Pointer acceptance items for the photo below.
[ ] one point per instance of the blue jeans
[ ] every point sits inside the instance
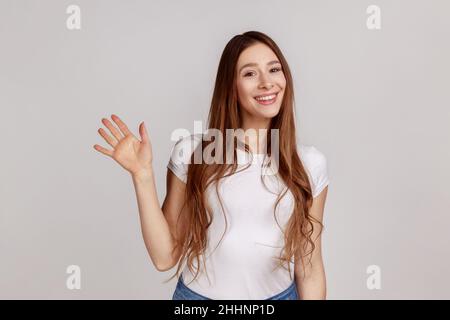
(182, 292)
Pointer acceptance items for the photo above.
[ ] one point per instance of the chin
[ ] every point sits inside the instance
(269, 114)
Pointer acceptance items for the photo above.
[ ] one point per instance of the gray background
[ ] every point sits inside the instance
(375, 102)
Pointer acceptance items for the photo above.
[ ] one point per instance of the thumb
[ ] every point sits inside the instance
(143, 132)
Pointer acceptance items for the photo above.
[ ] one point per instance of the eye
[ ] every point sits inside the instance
(247, 74)
(276, 69)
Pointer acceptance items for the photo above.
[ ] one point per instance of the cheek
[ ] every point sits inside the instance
(282, 81)
(245, 90)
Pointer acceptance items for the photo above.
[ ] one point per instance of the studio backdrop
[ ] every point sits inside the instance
(371, 91)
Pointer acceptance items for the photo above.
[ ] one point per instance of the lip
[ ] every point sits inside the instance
(267, 102)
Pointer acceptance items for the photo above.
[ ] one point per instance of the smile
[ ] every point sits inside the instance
(267, 99)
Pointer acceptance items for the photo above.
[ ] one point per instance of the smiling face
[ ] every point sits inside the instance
(260, 85)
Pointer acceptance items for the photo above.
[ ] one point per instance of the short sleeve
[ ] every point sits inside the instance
(180, 156)
(317, 167)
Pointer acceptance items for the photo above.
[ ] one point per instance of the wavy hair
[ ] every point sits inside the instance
(225, 114)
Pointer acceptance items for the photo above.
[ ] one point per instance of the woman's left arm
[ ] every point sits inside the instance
(311, 281)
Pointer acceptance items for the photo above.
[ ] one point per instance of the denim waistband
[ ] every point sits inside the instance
(183, 292)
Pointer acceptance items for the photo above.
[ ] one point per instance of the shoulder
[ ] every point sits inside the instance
(316, 165)
(184, 147)
(311, 156)
(180, 156)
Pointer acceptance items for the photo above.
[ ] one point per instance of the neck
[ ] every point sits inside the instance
(256, 139)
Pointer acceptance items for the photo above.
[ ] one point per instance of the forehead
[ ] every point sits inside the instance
(257, 53)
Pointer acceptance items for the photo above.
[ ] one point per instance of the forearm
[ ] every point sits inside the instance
(155, 228)
(313, 286)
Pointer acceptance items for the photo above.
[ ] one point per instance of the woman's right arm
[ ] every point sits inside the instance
(157, 224)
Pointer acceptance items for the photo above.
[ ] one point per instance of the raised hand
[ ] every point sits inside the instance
(132, 154)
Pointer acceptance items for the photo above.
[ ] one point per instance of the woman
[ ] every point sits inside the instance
(238, 230)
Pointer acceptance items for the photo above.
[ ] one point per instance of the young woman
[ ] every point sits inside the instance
(239, 229)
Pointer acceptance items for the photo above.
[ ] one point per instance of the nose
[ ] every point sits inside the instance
(264, 83)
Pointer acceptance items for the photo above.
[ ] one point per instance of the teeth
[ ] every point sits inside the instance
(266, 97)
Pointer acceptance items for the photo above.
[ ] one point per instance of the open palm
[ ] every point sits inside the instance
(132, 154)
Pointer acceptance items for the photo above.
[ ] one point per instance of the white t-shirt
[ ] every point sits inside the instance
(240, 267)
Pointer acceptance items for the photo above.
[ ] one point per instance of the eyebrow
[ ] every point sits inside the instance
(252, 64)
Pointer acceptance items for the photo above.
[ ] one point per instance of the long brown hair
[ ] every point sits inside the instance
(225, 114)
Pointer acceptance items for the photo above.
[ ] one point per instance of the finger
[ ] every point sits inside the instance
(103, 150)
(122, 126)
(143, 132)
(112, 129)
(111, 141)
